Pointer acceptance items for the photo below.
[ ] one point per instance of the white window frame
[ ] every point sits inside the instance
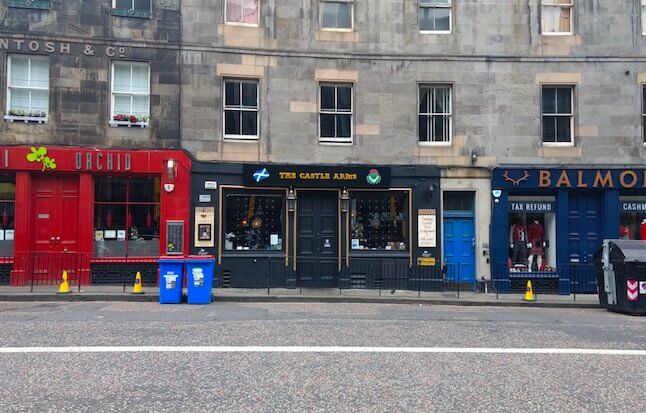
(643, 17)
(571, 114)
(132, 7)
(431, 114)
(554, 3)
(241, 108)
(337, 29)
(335, 140)
(116, 123)
(26, 119)
(256, 24)
(436, 6)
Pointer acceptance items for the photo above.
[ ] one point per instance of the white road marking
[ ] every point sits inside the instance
(320, 349)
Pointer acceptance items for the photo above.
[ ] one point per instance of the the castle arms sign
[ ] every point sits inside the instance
(512, 178)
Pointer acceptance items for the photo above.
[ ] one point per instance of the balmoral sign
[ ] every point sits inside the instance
(584, 179)
(64, 48)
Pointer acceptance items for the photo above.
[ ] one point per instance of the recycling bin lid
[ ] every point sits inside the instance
(627, 250)
(173, 259)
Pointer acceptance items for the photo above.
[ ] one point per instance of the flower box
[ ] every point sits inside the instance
(29, 4)
(26, 119)
(141, 14)
(121, 119)
(139, 124)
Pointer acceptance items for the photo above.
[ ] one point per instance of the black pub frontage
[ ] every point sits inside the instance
(301, 226)
(547, 223)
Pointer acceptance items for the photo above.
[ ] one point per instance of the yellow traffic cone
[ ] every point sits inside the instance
(64, 288)
(137, 288)
(529, 294)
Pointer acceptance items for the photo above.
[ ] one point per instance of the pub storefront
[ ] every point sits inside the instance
(298, 226)
(96, 213)
(547, 223)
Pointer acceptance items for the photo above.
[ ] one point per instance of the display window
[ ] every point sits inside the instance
(632, 222)
(532, 234)
(378, 220)
(7, 213)
(126, 216)
(254, 222)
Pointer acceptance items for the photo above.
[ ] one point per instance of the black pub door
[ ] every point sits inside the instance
(317, 261)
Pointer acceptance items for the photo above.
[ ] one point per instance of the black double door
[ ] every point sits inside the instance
(317, 247)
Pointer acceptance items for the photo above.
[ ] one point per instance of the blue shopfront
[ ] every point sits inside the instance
(548, 222)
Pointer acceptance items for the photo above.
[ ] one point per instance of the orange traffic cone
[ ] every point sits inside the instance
(137, 288)
(529, 294)
(64, 288)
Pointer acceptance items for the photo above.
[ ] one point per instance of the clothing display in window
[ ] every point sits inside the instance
(536, 239)
(518, 243)
(624, 232)
(642, 230)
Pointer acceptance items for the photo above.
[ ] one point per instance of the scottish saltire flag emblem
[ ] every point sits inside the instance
(261, 174)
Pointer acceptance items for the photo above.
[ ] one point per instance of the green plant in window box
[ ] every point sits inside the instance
(18, 112)
(142, 14)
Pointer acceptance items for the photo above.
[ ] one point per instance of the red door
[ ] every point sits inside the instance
(54, 220)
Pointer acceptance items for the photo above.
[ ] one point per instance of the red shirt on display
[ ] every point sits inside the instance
(535, 232)
(642, 231)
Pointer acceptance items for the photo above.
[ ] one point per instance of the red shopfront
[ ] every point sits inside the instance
(97, 213)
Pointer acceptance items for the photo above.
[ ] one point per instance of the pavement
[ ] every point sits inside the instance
(42, 379)
(463, 298)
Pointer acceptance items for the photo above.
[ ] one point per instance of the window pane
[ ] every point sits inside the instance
(344, 19)
(232, 93)
(140, 82)
(564, 100)
(441, 126)
(549, 100)
(458, 201)
(441, 100)
(250, 12)
(423, 128)
(19, 71)
(232, 122)
(327, 126)
(7, 214)
(122, 105)
(378, 221)
(108, 189)
(140, 105)
(7, 188)
(19, 100)
(122, 78)
(434, 19)
(555, 19)
(39, 101)
(250, 94)
(563, 129)
(234, 11)
(644, 98)
(344, 98)
(39, 73)
(254, 222)
(549, 129)
(145, 189)
(343, 126)
(109, 230)
(442, 19)
(143, 230)
(110, 217)
(143, 5)
(423, 99)
(250, 123)
(327, 97)
(336, 15)
(123, 4)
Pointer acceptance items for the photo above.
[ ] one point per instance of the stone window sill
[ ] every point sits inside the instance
(140, 14)
(118, 123)
(26, 119)
(29, 4)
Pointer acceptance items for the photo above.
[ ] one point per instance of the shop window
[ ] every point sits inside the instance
(254, 223)
(532, 234)
(378, 221)
(558, 117)
(556, 16)
(126, 216)
(241, 12)
(337, 14)
(632, 224)
(434, 114)
(7, 214)
(27, 89)
(131, 8)
(241, 109)
(335, 117)
(435, 16)
(130, 94)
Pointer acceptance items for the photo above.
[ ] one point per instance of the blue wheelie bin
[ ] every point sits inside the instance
(171, 279)
(199, 270)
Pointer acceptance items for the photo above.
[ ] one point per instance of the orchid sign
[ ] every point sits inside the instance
(40, 155)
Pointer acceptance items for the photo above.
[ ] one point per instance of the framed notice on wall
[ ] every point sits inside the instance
(174, 237)
(426, 228)
(204, 224)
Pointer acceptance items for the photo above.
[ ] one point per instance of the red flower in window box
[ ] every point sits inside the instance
(133, 119)
(117, 117)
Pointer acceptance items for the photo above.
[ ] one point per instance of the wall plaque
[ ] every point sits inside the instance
(426, 228)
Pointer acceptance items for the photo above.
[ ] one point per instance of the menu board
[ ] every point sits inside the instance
(174, 237)
(426, 228)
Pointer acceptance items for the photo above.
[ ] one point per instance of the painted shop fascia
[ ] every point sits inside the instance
(312, 225)
(548, 222)
(126, 204)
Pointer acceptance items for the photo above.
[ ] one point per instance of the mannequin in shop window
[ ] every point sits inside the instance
(518, 242)
(624, 231)
(536, 237)
(642, 230)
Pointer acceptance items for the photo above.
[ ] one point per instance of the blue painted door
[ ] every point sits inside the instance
(459, 248)
(584, 238)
